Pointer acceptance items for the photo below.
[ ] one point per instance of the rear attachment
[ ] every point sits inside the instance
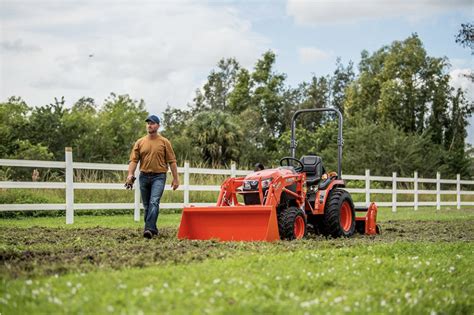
(368, 223)
(234, 223)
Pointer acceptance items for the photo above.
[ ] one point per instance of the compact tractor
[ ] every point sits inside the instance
(280, 203)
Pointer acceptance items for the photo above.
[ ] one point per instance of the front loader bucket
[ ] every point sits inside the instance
(233, 223)
(368, 223)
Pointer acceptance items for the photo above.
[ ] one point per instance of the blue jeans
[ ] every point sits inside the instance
(151, 188)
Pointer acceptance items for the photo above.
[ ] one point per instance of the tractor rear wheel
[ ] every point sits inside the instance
(339, 215)
(292, 224)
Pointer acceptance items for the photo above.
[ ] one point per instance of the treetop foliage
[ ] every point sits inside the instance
(103, 134)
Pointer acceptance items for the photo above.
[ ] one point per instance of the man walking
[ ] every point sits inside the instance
(155, 153)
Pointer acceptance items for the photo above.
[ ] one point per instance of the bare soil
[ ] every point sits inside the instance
(39, 251)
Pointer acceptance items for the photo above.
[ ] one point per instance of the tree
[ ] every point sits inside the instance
(121, 121)
(240, 97)
(457, 157)
(255, 135)
(46, 128)
(465, 36)
(174, 123)
(315, 95)
(25, 150)
(388, 149)
(14, 117)
(257, 102)
(400, 84)
(80, 125)
(216, 136)
(342, 78)
(268, 89)
(313, 141)
(220, 84)
(440, 96)
(28, 151)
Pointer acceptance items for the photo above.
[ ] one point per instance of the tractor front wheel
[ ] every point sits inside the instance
(292, 224)
(339, 215)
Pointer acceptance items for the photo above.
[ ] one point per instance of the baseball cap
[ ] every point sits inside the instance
(153, 118)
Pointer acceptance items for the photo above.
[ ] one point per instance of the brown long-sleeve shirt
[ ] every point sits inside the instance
(154, 154)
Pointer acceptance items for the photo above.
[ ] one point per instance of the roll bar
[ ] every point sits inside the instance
(340, 140)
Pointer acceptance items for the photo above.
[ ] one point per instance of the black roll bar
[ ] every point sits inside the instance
(340, 140)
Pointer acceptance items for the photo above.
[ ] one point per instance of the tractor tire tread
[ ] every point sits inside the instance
(286, 220)
(331, 222)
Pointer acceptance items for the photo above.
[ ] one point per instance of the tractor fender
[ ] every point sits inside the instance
(323, 194)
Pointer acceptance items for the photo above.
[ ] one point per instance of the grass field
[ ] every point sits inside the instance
(421, 264)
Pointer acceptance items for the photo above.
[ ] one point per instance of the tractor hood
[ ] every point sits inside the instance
(270, 173)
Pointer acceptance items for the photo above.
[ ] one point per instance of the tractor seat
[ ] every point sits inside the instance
(313, 167)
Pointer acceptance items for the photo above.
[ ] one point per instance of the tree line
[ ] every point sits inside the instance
(96, 134)
(400, 115)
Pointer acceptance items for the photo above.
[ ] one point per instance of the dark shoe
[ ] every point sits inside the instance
(155, 233)
(147, 234)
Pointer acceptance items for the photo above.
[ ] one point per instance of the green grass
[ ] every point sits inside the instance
(401, 278)
(421, 264)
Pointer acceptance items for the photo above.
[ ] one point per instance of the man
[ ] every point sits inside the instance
(155, 153)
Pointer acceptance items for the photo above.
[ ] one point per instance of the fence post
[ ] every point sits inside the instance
(415, 189)
(69, 186)
(367, 188)
(186, 183)
(438, 191)
(232, 169)
(394, 192)
(136, 205)
(458, 191)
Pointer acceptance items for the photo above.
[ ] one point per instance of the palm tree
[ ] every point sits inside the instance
(217, 137)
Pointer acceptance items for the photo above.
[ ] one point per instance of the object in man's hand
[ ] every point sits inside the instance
(129, 182)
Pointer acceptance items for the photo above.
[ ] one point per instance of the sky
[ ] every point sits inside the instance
(162, 51)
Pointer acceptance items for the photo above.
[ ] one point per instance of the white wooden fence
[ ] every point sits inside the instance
(70, 186)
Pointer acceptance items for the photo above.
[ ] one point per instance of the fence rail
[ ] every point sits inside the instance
(69, 186)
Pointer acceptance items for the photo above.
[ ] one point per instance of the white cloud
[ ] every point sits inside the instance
(309, 55)
(17, 46)
(158, 51)
(310, 12)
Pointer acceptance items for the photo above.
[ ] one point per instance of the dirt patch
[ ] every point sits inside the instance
(40, 251)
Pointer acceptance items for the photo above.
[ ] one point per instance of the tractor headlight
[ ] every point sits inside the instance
(253, 184)
(247, 184)
(250, 184)
(266, 183)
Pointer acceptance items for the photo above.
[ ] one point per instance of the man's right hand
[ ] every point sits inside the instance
(175, 184)
(129, 182)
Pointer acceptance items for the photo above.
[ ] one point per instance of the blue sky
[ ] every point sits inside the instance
(162, 51)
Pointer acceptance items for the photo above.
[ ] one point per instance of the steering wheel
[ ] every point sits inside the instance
(291, 161)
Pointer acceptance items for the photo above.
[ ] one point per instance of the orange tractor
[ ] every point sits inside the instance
(279, 203)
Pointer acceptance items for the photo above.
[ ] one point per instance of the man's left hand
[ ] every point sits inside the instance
(175, 183)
